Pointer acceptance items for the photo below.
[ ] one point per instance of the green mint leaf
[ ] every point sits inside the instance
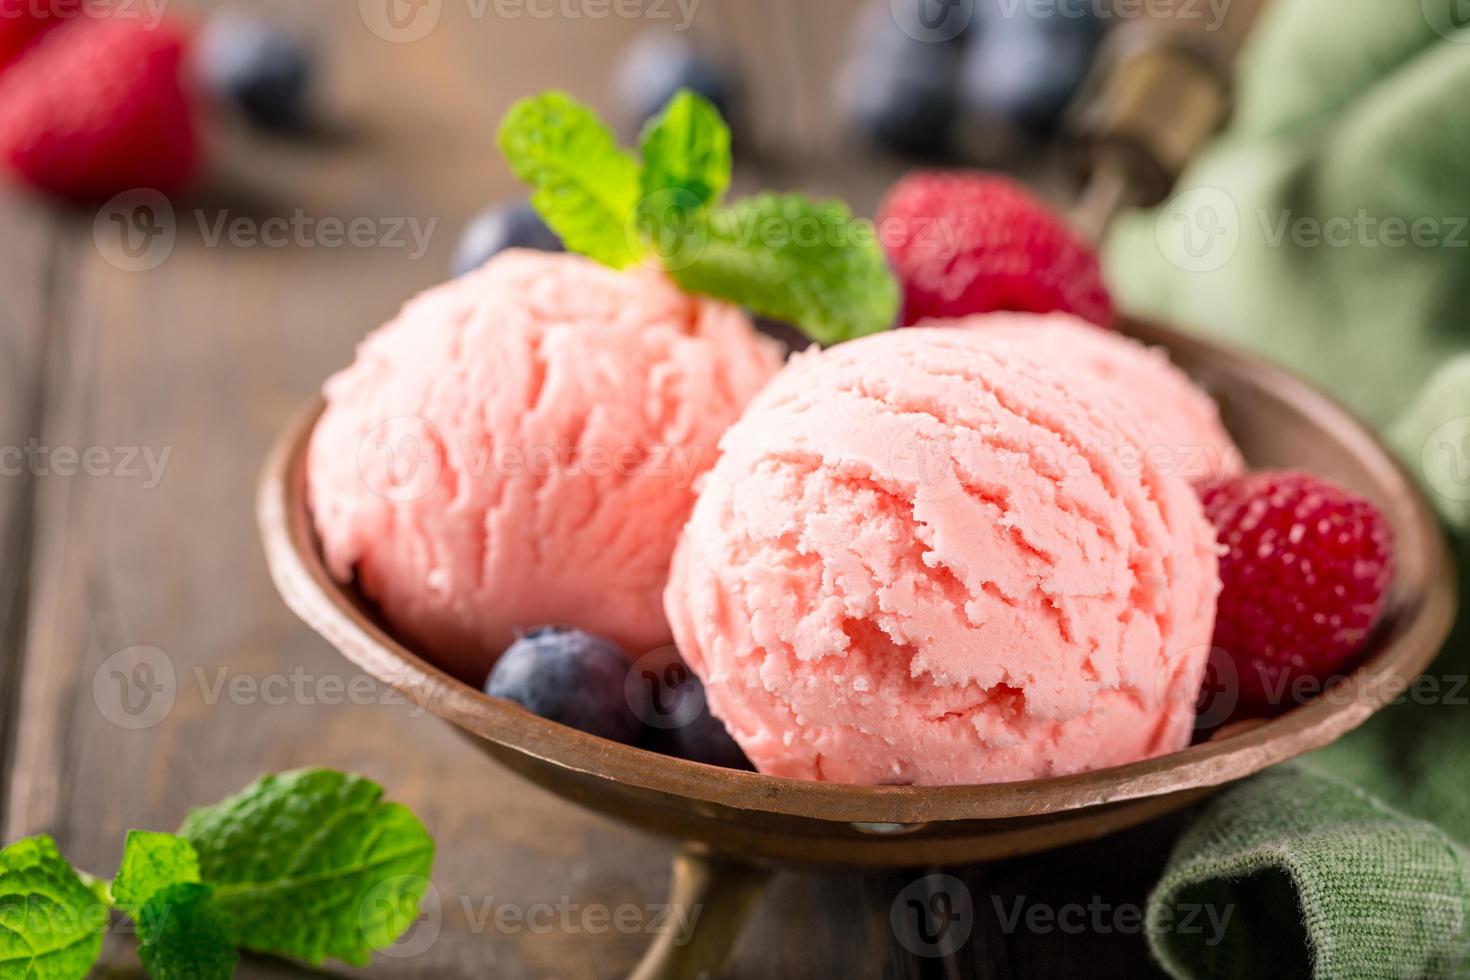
(183, 936)
(150, 863)
(313, 864)
(586, 189)
(808, 263)
(686, 148)
(51, 923)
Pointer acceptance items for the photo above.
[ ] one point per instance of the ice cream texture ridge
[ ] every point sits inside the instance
(520, 446)
(947, 554)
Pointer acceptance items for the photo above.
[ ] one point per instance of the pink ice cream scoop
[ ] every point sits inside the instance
(941, 556)
(519, 447)
(1187, 436)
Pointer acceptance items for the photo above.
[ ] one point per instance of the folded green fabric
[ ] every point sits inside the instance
(1329, 228)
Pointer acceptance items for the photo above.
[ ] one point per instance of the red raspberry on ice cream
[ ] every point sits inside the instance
(965, 243)
(1304, 572)
(21, 23)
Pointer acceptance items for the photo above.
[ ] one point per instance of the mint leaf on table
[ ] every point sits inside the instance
(584, 187)
(183, 936)
(152, 862)
(805, 262)
(313, 864)
(686, 147)
(51, 923)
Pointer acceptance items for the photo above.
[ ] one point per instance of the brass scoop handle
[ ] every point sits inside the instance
(1160, 90)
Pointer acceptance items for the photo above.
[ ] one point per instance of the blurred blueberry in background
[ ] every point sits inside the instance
(899, 84)
(1027, 60)
(499, 227)
(935, 78)
(261, 70)
(658, 64)
(793, 338)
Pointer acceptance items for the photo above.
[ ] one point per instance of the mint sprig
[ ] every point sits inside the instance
(808, 263)
(152, 862)
(585, 188)
(686, 147)
(51, 923)
(183, 935)
(798, 260)
(311, 864)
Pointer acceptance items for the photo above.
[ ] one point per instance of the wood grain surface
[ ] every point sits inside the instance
(146, 663)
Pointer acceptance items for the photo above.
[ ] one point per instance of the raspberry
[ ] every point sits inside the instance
(96, 107)
(965, 243)
(20, 24)
(1305, 570)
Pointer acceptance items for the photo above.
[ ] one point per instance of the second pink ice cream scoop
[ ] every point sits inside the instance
(942, 555)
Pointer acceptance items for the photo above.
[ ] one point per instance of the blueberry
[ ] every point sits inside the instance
(899, 87)
(570, 677)
(262, 71)
(1026, 65)
(498, 228)
(679, 722)
(658, 64)
(793, 338)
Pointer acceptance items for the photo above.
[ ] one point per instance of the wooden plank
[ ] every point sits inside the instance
(27, 288)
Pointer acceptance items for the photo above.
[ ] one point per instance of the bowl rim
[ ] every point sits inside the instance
(1412, 642)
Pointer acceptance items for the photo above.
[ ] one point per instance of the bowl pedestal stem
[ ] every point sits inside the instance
(715, 894)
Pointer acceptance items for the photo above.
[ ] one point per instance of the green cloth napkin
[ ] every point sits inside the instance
(1329, 227)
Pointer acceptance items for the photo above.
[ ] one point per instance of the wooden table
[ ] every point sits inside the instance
(198, 363)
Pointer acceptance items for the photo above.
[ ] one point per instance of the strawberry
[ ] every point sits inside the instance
(965, 243)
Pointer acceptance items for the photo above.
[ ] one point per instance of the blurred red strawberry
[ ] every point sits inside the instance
(98, 106)
(21, 22)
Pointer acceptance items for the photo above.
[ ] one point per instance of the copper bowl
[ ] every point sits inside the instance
(1278, 420)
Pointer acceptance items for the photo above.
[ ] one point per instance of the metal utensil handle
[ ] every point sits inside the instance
(1160, 91)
